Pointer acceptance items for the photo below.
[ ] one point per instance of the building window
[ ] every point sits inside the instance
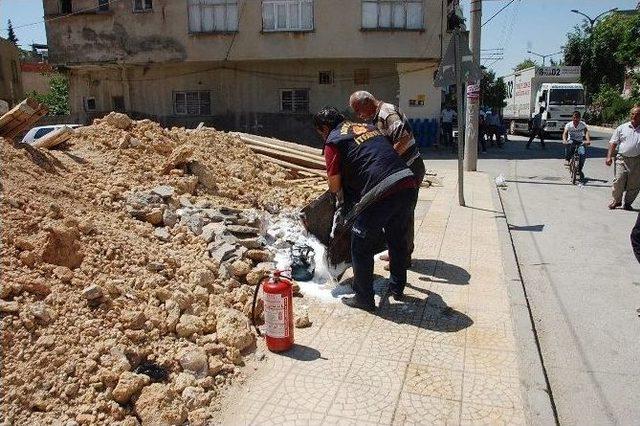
(118, 103)
(325, 77)
(294, 100)
(90, 104)
(392, 14)
(65, 6)
(103, 5)
(213, 16)
(361, 76)
(142, 5)
(192, 103)
(287, 15)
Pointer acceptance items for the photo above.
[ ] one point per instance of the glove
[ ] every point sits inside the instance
(339, 214)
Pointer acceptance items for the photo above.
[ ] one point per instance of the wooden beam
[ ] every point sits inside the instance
(54, 138)
(292, 166)
(290, 158)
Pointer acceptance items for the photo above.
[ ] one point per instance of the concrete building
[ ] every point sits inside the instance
(11, 91)
(252, 65)
(36, 76)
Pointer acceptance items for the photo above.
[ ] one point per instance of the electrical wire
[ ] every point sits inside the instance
(497, 13)
(55, 18)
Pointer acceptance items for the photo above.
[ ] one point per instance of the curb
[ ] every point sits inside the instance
(601, 129)
(537, 394)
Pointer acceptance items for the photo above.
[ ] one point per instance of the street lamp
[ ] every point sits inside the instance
(544, 57)
(592, 21)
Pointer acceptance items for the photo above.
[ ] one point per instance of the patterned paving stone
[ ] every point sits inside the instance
(433, 381)
(287, 415)
(499, 391)
(343, 421)
(304, 393)
(490, 338)
(333, 365)
(492, 363)
(430, 353)
(365, 402)
(396, 346)
(425, 410)
(475, 414)
(376, 372)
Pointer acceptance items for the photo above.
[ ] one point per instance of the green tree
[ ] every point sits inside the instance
(492, 91)
(604, 53)
(527, 63)
(57, 100)
(11, 35)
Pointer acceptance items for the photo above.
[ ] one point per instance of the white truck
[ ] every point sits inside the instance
(557, 89)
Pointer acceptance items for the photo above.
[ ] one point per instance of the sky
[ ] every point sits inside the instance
(537, 25)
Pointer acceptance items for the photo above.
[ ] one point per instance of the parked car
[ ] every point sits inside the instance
(38, 132)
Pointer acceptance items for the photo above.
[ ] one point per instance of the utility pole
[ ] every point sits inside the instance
(473, 101)
(460, 98)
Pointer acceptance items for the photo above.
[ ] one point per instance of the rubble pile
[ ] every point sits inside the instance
(129, 259)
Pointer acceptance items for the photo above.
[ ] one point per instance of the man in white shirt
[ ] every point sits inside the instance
(448, 115)
(573, 137)
(626, 139)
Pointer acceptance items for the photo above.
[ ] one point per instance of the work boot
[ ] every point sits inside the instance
(614, 205)
(353, 302)
(581, 176)
(396, 294)
(628, 207)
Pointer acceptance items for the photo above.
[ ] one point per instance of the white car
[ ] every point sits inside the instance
(38, 132)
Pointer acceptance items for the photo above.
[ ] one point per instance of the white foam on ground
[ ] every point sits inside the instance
(285, 231)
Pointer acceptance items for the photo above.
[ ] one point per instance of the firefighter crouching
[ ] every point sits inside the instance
(377, 192)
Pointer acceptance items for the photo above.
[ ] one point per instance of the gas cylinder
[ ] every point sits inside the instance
(278, 311)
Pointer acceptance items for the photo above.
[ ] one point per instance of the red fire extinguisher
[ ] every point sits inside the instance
(278, 311)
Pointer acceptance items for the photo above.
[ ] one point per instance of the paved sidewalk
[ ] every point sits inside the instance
(445, 355)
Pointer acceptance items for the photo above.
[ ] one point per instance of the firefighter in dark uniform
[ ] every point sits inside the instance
(378, 192)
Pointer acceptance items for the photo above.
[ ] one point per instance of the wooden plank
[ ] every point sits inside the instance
(22, 116)
(16, 127)
(290, 158)
(284, 149)
(272, 141)
(292, 166)
(54, 138)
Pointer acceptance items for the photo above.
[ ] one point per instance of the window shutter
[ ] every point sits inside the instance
(307, 15)
(414, 15)
(369, 15)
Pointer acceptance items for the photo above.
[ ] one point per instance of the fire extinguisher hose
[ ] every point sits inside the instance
(253, 305)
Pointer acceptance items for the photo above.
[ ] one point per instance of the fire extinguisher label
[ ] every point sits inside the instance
(275, 315)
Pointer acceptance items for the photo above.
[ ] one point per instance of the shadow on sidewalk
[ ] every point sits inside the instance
(302, 353)
(441, 272)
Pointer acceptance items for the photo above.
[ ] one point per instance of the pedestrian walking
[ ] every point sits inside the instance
(537, 128)
(363, 166)
(482, 130)
(394, 124)
(626, 141)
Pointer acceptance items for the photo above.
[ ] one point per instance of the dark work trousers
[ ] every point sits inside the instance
(570, 149)
(539, 132)
(391, 213)
(481, 140)
(447, 130)
(635, 238)
(418, 169)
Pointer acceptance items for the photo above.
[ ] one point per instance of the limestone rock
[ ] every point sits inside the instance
(258, 255)
(119, 120)
(188, 325)
(233, 329)
(63, 248)
(169, 218)
(301, 316)
(93, 292)
(162, 234)
(154, 217)
(128, 385)
(159, 405)
(164, 191)
(194, 361)
(240, 268)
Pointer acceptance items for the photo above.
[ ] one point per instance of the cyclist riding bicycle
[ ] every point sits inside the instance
(574, 134)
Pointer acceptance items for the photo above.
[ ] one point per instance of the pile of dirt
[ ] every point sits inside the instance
(129, 258)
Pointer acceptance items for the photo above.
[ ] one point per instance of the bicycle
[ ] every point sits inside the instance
(574, 163)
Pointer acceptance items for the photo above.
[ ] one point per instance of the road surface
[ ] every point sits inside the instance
(580, 276)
